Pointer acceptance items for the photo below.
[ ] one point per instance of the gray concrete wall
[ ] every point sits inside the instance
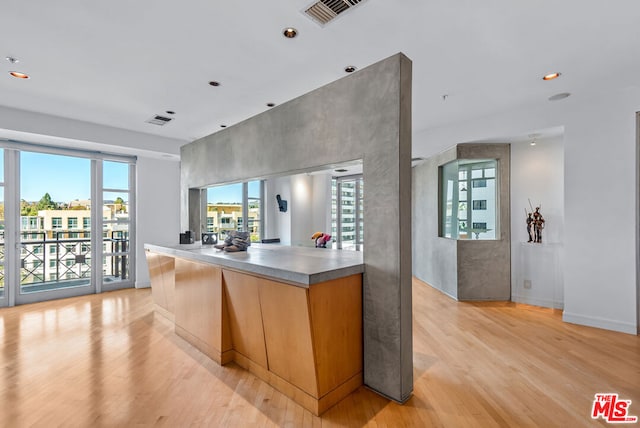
(366, 115)
(435, 259)
(484, 267)
(463, 269)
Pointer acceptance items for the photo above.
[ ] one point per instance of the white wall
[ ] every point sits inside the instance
(321, 210)
(309, 208)
(54, 130)
(157, 209)
(277, 224)
(301, 210)
(599, 272)
(537, 174)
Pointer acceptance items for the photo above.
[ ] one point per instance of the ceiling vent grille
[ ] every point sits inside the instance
(325, 11)
(159, 120)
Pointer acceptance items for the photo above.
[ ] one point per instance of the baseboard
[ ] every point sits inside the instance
(606, 324)
(435, 288)
(545, 303)
(145, 284)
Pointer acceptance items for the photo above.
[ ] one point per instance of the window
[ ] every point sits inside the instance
(347, 212)
(480, 204)
(72, 222)
(254, 210)
(468, 201)
(236, 206)
(55, 192)
(118, 208)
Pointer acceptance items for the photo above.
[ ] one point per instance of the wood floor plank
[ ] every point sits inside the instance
(108, 360)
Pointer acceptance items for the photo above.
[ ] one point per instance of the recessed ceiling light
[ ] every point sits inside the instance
(350, 68)
(560, 96)
(533, 143)
(289, 32)
(19, 75)
(223, 126)
(271, 105)
(214, 83)
(170, 112)
(12, 60)
(551, 76)
(341, 170)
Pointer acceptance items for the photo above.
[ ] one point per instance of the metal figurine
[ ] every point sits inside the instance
(535, 223)
(538, 225)
(530, 226)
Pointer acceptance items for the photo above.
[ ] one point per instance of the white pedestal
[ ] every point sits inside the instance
(538, 279)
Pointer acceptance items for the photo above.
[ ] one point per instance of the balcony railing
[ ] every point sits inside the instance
(65, 257)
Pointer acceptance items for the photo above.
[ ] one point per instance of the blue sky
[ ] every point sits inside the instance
(65, 178)
(231, 193)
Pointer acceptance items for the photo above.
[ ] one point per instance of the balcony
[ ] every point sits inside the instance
(62, 259)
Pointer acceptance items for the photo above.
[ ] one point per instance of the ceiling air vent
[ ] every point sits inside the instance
(324, 11)
(159, 120)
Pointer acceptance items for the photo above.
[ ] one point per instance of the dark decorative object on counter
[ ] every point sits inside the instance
(209, 238)
(186, 237)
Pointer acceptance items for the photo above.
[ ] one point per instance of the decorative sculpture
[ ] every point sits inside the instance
(530, 226)
(321, 239)
(535, 224)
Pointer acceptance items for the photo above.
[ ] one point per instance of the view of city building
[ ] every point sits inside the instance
(469, 205)
(56, 244)
(347, 213)
(58, 235)
(222, 218)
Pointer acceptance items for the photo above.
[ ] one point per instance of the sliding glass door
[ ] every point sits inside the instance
(68, 226)
(55, 251)
(117, 261)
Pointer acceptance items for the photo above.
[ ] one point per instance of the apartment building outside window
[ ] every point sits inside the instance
(72, 222)
(63, 222)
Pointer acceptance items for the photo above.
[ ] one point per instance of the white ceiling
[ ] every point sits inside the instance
(120, 62)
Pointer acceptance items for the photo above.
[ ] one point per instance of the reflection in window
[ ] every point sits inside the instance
(469, 184)
(225, 206)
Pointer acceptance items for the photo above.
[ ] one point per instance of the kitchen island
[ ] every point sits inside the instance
(292, 316)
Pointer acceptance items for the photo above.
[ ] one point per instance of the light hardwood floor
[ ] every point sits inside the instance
(107, 360)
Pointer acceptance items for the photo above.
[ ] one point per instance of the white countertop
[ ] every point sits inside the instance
(301, 265)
